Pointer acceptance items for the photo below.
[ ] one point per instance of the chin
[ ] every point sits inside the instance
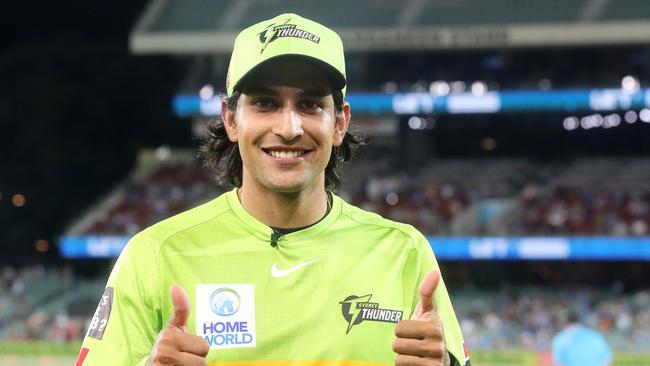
(286, 186)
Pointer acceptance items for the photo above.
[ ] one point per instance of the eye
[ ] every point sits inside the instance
(311, 105)
(264, 103)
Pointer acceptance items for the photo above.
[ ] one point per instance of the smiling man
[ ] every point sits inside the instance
(279, 270)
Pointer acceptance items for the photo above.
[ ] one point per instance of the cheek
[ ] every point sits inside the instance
(245, 134)
(248, 128)
(328, 124)
(240, 115)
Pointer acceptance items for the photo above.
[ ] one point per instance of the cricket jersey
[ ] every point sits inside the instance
(329, 294)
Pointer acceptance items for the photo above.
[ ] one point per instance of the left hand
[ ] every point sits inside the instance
(420, 340)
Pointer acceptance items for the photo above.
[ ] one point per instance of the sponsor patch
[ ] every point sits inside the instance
(82, 356)
(102, 314)
(225, 315)
(356, 309)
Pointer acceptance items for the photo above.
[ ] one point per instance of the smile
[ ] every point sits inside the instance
(285, 154)
(288, 153)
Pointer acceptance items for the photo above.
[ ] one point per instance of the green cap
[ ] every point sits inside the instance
(286, 35)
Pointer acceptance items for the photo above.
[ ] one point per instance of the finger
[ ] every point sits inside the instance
(192, 344)
(188, 359)
(417, 329)
(181, 305)
(409, 360)
(417, 347)
(426, 290)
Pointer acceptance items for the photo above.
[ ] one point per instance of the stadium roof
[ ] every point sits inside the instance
(209, 26)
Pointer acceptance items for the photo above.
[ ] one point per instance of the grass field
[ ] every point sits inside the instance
(63, 354)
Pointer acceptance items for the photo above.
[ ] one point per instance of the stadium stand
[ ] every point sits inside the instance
(161, 187)
(445, 197)
(591, 196)
(45, 303)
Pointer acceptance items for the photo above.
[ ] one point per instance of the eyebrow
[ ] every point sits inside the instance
(270, 91)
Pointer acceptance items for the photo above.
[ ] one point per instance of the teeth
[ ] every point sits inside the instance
(285, 154)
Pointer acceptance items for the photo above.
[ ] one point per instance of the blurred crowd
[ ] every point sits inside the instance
(168, 190)
(439, 199)
(40, 303)
(575, 211)
(529, 317)
(431, 208)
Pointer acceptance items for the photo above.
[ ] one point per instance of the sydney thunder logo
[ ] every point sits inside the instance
(356, 309)
(273, 32)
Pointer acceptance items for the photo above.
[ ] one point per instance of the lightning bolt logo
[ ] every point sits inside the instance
(351, 312)
(268, 35)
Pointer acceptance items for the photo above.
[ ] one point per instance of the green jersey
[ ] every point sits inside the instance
(329, 294)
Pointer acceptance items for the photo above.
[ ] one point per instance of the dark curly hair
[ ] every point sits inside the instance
(222, 155)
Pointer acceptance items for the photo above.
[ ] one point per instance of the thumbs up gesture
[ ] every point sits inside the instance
(174, 346)
(420, 340)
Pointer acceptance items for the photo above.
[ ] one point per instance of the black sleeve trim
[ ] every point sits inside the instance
(454, 362)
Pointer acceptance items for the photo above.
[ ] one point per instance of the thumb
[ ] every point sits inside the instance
(181, 304)
(426, 290)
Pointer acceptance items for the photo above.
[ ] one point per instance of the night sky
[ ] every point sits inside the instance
(75, 108)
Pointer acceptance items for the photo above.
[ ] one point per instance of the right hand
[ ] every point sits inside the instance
(174, 346)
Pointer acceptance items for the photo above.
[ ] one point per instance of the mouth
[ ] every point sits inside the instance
(285, 154)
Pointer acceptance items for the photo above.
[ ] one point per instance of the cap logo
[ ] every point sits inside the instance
(273, 32)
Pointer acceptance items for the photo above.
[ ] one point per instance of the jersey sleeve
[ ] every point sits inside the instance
(452, 333)
(128, 317)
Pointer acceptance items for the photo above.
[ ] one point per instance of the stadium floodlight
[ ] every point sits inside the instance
(597, 120)
(571, 123)
(631, 116)
(162, 152)
(644, 115)
(206, 92)
(611, 120)
(18, 200)
(439, 88)
(479, 88)
(417, 123)
(591, 121)
(630, 84)
(545, 84)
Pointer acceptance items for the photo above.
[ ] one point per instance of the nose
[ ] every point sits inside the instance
(288, 125)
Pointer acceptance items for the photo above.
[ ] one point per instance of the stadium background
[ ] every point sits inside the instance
(515, 134)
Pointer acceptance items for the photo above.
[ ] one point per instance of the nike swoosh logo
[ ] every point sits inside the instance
(278, 273)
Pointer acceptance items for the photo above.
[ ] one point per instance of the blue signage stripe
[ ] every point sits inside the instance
(445, 248)
(568, 101)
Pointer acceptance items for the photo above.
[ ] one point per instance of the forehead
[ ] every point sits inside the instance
(292, 72)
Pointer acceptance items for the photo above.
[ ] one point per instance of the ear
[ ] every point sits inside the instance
(228, 118)
(342, 124)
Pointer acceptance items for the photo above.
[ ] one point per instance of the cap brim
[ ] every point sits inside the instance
(336, 79)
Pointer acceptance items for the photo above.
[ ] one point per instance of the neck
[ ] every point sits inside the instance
(284, 210)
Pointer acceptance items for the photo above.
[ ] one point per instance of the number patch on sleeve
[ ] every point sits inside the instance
(103, 312)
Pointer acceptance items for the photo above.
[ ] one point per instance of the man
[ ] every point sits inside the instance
(578, 345)
(279, 270)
